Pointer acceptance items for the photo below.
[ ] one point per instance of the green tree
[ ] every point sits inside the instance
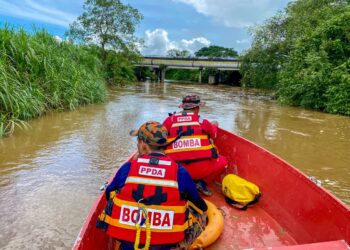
(118, 68)
(216, 51)
(108, 23)
(178, 53)
(183, 74)
(275, 39)
(316, 74)
(261, 63)
(303, 53)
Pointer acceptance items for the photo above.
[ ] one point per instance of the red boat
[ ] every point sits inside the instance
(294, 212)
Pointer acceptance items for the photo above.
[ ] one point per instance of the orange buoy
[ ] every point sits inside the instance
(213, 230)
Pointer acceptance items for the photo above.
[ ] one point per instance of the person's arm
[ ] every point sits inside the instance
(209, 128)
(119, 179)
(188, 189)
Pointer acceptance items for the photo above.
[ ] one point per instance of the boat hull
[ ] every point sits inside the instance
(307, 211)
(293, 213)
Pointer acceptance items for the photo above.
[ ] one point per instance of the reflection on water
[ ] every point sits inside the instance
(50, 174)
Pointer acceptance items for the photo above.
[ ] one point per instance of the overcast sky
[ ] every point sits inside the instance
(167, 24)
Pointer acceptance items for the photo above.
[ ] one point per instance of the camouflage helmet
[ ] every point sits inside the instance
(152, 133)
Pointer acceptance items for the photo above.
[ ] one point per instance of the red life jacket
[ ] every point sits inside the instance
(194, 144)
(151, 184)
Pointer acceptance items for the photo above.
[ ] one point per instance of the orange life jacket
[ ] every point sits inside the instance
(151, 184)
(194, 144)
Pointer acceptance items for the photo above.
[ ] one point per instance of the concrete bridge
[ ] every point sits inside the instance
(160, 64)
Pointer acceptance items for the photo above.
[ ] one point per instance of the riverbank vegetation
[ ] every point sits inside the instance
(39, 73)
(303, 54)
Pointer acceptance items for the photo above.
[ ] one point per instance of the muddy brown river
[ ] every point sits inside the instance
(50, 174)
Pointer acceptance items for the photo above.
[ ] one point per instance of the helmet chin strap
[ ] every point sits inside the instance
(143, 147)
(178, 137)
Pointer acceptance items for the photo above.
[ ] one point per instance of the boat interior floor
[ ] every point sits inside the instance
(253, 228)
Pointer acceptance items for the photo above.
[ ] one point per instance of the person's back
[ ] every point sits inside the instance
(147, 197)
(193, 143)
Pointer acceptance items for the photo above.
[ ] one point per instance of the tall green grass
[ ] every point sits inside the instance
(39, 73)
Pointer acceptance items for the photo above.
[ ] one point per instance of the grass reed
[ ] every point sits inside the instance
(39, 73)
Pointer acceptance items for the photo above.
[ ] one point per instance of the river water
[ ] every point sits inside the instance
(50, 174)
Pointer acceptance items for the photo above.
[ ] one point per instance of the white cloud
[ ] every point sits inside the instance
(157, 42)
(36, 11)
(58, 39)
(235, 13)
(194, 44)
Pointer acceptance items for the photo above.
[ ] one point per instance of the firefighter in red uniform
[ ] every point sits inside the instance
(147, 199)
(193, 147)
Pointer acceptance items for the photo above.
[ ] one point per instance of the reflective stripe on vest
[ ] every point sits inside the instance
(185, 124)
(182, 113)
(170, 151)
(147, 181)
(186, 137)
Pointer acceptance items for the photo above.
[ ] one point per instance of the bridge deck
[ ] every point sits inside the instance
(190, 63)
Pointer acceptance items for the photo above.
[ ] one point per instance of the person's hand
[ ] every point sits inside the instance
(215, 123)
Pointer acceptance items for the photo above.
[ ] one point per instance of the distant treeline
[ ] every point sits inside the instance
(303, 54)
(226, 77)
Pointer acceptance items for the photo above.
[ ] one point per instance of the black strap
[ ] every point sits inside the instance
(214, 153)
(178, 137)
(189, 131)
(101, 224)
(138, 193)
(109, 207)
(179, 130)
(236, 205)
(157, 199)
(154, 161)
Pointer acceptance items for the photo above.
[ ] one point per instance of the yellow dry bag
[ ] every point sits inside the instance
(239, 192)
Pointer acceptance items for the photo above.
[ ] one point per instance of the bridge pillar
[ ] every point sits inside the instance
(219, 77)
(211, 79)
(162, 75)
(200, 75)
(155, 74)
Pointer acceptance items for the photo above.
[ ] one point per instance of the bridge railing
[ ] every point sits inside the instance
(192, 58)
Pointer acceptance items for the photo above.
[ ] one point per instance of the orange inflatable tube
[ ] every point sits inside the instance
(213, 230)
